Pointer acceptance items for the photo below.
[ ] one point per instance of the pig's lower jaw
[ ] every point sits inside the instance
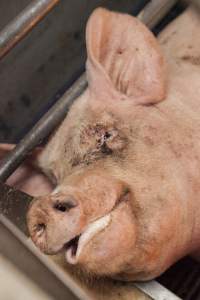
(75, 246)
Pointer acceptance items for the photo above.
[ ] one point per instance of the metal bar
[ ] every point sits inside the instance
(42, 129)
(14, 205)
(45, 273)
(23, 23)
(155, 11)
(156, 291)
(57, 113)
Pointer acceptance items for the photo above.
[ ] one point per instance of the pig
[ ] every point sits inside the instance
(124, 165)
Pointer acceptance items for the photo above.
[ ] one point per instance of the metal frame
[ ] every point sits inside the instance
(12, 236)
(42, 129)
(15, 31)
(156, 291)
(36, 266)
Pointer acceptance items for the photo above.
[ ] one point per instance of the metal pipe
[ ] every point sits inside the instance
(155, 290)
(42, 129)
(155, 11)
(57, 113)
(45, 273)
(23, 23)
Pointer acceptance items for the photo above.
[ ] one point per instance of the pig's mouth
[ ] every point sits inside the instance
(75, 246)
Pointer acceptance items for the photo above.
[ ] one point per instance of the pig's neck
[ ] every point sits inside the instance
(180, 42)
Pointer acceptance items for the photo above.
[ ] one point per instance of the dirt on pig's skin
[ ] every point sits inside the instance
(126, 159)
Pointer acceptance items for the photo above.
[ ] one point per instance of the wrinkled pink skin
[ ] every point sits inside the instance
(128, 150)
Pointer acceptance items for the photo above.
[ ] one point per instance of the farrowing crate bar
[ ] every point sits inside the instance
(23, 23)
(9, 37)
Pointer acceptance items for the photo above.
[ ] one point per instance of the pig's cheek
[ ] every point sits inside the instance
(110, 251)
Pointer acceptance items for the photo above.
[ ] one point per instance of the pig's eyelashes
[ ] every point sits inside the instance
(64, 206)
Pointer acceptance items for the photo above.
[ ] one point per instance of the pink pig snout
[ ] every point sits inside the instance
(52, 222)
(99, 222)
(86, 218)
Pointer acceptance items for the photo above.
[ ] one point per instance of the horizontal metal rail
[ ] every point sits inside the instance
(154, 13)
(156, 291)
(23, 23)
(42, 129)
(45, 273)
(57, 113)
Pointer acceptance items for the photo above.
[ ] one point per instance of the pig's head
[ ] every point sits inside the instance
(111, 211)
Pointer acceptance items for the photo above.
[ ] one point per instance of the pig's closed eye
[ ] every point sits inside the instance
(104, 137)
(107, 135)
(64, 206)
(103, 143)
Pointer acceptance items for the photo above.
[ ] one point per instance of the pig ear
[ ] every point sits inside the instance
(124, 58)
(27, 177)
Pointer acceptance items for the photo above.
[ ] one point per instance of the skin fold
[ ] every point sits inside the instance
(124, 168)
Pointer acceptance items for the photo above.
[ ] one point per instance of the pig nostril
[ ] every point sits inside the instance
(40, 228)
(64, 206)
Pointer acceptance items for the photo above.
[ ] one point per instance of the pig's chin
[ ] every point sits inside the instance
(75, 246)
